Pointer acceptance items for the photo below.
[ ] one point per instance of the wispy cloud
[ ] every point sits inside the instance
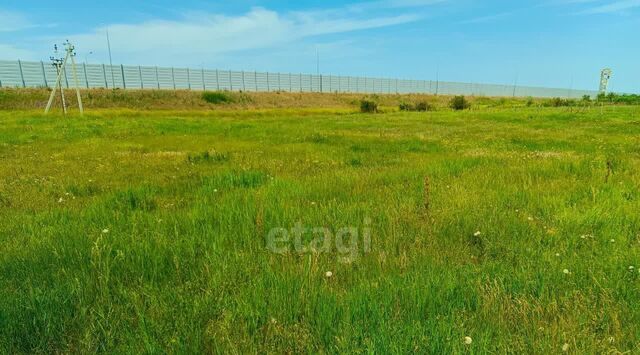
(613, 7)
(13, 21)
(488, 18)
(204, 34)
(10, 52)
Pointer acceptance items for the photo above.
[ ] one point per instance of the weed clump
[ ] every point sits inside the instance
(559, 102)
(421, 106)
(459, 103)
(207, 157)
(217, 97)
(368, 106)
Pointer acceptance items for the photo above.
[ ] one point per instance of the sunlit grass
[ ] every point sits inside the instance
(145, 231)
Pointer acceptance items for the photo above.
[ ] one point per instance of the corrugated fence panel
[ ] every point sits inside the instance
(10, 74)
(181, 78)
(43, 74)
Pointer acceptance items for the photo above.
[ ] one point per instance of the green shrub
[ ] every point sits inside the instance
(559, 102)
(459, 103)
(217, 97)
(404, 106)
(368, 106)
(423, 106)
(530, 101)
(586, 98)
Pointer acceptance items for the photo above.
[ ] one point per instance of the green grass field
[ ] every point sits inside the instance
(201, 231)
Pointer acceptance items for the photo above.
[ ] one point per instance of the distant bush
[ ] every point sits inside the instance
(424, 106)
(217, 97)
(459, 103)
(404, 106)
(368, 106)
(530, 101)
(586, 98)
(560, 102)
(623, 99)
(421, 106)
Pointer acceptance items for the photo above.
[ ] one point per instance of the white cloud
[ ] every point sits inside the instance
(202, 34)
(609, 7)
(488, 18)
(10, 52)
(12, 21)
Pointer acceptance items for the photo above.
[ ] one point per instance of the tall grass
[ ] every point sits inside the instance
(145, 231)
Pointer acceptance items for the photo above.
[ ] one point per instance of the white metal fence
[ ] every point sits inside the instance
(41, 74)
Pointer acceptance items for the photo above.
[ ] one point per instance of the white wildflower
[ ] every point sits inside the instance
(328, 274)
(105, 231)
(565, 347)
(468, 340)
(477, 234)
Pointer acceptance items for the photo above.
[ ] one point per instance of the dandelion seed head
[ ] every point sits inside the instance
(565, 347)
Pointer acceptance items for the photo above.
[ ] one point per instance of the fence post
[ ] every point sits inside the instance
(86, 77)
(230, 81)
(217, 81)
(244, 87)
(189, 78)
(124, 83)
(255, 79)
(268, 84)
(157, 78)
(173, 78)
(44, 75)
(204, 86)
(290, 86)
(24, 84)
(104, 73)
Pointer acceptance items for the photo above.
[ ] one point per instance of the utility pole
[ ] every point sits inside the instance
(317, 61)
(113, 78)
(61, 65)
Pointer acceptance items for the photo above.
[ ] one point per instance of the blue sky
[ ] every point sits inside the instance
(557, 43)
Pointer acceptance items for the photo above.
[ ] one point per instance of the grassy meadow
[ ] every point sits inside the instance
(491, 230)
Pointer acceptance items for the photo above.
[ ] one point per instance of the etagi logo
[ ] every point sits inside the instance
(348, 242)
